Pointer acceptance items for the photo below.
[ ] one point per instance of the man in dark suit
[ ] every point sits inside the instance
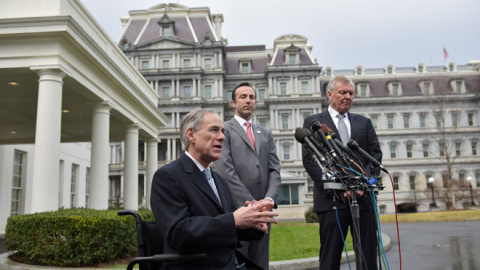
(340, 91)
(250, 164)
(196, 215)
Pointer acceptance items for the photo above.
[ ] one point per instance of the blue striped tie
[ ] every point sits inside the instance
(208, 176)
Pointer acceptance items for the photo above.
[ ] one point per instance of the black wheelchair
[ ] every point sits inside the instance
(150, 246)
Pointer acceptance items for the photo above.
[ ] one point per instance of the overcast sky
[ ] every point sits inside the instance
(343, 33)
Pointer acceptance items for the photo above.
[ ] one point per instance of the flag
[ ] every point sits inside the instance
(445, 53)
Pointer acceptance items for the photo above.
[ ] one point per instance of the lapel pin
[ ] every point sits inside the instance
(258, 131)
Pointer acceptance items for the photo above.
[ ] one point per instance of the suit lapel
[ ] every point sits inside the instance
(326, 119)
(198, 179)
(354, 125)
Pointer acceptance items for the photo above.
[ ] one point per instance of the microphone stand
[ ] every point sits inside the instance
(357, 243)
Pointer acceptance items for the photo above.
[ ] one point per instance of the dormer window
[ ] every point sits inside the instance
(245, 66)
(390, 69)
(426, 87)
(395, 89)
(292, 55)
(458, 86)
(166, 26)
(363, 89)
(452, 67)
(328, 71)
(421, 68)
(359, 70)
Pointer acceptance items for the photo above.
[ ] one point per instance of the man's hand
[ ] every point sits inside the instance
(255, 215)
(349, 194)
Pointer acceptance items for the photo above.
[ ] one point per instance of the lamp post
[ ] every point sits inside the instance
(470, 179)
(431, 180)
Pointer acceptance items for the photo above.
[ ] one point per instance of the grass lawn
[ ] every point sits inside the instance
(295, 240)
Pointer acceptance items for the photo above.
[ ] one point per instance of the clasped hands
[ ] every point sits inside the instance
(255, 214)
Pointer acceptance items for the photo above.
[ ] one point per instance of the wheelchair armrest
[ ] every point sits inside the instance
(165, 258)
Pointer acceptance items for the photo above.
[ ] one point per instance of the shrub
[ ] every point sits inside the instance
(72, 237)
(310, 216)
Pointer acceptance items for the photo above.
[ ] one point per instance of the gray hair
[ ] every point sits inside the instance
(340, 78)
(193, 119)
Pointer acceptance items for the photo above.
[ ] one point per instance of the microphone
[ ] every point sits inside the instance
(330, 135)
(303, 136)
(325, 131)
(318, 128)
(354, 146)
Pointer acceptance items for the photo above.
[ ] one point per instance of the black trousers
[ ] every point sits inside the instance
(331, 238)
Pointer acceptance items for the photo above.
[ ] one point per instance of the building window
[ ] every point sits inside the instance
(441, 149)
(383, 209)
(390, 121)
(245, 68)
(328, 72)
(229, 94)
(470, 119)
(425, 149)
(292, 59)
(18, 175)
(359, 71)
(457, 86)
(477, 179)
(422, 120)
(145, 64)
(186, 63)
(73, 186)
(166, 31)
(304, 87)
(409, 151)
(286, 151)
(208, 63)
(412, 182)
(87, 188)
(261, 94)
(262, 122)
(454, 119)
(288, 195)
(451, 67)
(374, 119)
(283, 88)
(187, 91)
(208, 91)
(438, 119)
(363, 90)
(166, 92)
(395, 89)
(284, 117)
(458, 149)
(406, 120)
(395, 182)
(393, 151)
(474, 148)
(427, 88)
(166, 64)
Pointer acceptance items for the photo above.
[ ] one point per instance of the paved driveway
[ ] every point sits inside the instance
(433, 246)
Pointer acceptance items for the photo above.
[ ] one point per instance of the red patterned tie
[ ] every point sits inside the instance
(249, 134)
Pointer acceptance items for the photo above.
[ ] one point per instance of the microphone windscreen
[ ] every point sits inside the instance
(325, 129)
(352, 144)
(300, 134)
(315, 124)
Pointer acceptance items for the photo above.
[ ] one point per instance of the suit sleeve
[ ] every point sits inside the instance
(373, 146)
(174, 209)
(224, 167)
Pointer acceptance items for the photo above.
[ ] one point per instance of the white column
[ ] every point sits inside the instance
(169, 150)
(46, 167)
(99, 160)
(178, 88)
(152, 164)
(174, 149)
(130, 195)
(172, 91)
(194, 88)
(220, 90)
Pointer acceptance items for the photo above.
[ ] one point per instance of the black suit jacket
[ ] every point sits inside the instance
(192, 220)
(363, 133)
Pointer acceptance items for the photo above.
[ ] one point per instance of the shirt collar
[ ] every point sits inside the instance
(242, 121)
(334, 113)
(200, 166)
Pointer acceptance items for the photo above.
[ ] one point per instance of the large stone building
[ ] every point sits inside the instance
(68, 93)
(186, 59)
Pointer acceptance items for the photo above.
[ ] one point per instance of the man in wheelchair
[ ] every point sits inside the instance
(193, 206)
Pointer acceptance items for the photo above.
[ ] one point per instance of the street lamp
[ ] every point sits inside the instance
(431, 180)
(470, 179)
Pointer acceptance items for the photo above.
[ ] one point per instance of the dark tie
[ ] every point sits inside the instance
(250, 134)
(208, 176)
(342, 129)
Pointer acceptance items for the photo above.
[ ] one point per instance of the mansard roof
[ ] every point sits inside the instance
(191, 25)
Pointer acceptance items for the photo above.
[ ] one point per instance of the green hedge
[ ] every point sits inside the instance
(72, 237)
(310, 216)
